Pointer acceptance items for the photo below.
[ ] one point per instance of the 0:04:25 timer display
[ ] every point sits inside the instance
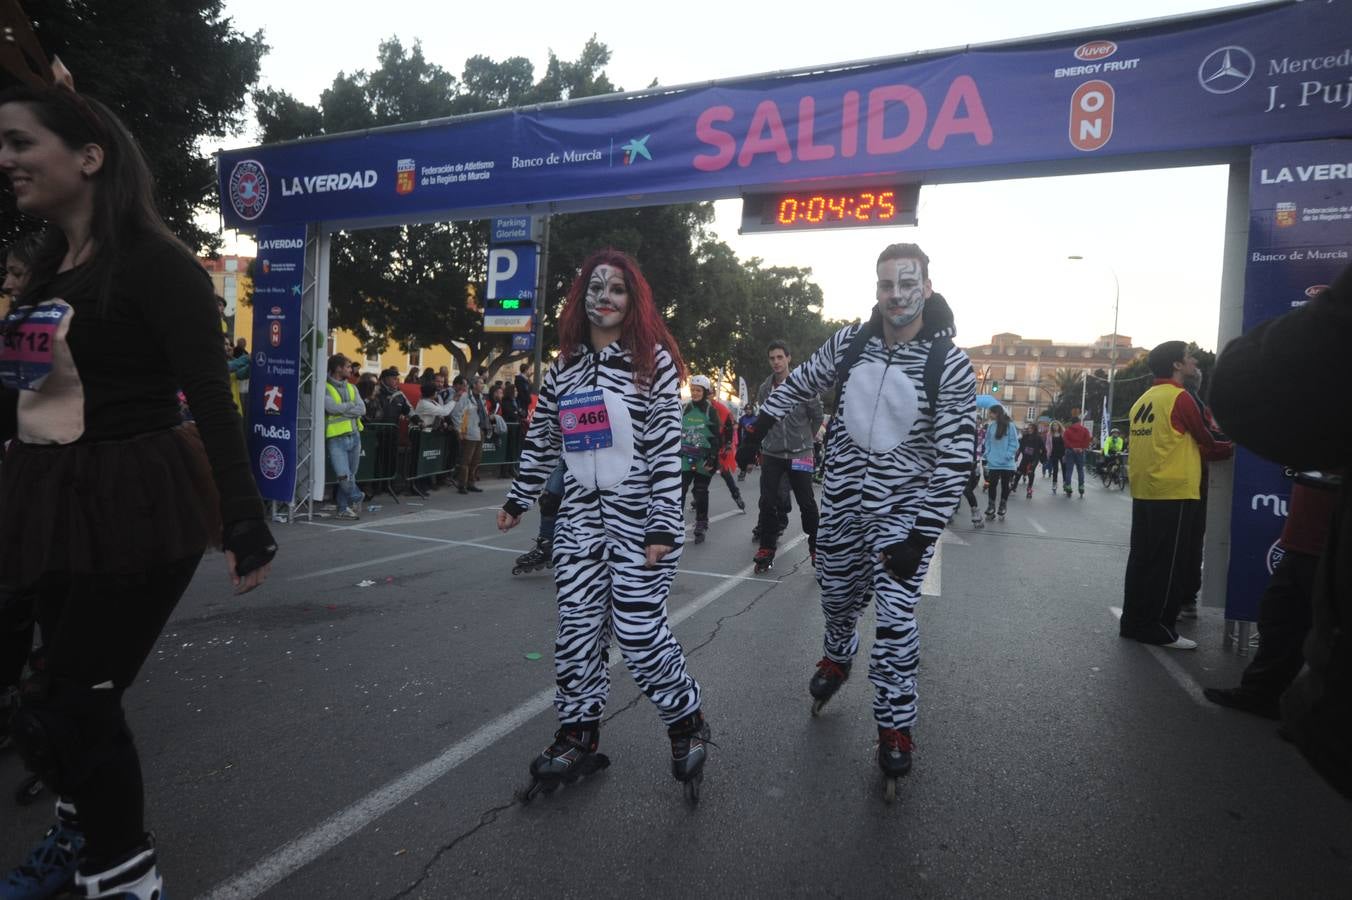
(813, 209)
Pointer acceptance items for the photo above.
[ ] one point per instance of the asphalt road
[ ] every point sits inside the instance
(359, 726)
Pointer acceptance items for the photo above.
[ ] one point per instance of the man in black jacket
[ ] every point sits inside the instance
(1267, 395)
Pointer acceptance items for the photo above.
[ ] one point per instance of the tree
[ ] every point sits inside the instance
(176, 71)
(419, 285)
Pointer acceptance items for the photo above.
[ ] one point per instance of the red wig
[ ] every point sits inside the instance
(642, 330)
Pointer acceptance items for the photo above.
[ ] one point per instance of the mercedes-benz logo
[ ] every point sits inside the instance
(1226, 70)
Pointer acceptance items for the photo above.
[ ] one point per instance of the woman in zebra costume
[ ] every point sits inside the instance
(610, 405)
(894, 474)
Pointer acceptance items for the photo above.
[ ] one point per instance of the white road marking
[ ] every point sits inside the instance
(337, 828)
(1176, 672)
(364, 564)
(951, 537)
(417, 518)
(415, 537)
(1036, 527)
(690, 525)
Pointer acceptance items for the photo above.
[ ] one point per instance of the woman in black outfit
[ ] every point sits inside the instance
(107, 502)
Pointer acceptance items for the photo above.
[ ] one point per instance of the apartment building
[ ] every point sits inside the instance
(1022, 371)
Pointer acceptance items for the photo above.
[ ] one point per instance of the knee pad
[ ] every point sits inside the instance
(63, 732)
(549, 504)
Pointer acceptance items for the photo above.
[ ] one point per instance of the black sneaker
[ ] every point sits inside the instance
(1245, 701)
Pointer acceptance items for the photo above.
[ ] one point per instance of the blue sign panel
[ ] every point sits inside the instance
(524, 341)
(1230, 79)
(513, 271)
(512, 230)
(1300, 238)
(274, 378)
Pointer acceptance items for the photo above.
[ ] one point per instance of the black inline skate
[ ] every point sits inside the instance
(828, 679)
(701, 529)
(689, 743)
(894, 758)
(764, 560)
(536, 558)
(572, 756)
(1000, 513)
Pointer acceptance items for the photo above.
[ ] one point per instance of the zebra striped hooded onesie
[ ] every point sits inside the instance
(896, 466)
(616, 502)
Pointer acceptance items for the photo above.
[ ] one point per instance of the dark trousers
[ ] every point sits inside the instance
(1158, 568)
(16, 636)
(701, 482)
(470, 454)
(1284, 616)
(731, 483)
(98, 630)
(774, 471)
(969, 494)
(1000, 478)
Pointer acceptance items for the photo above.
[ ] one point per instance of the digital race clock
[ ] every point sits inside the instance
(816, 210)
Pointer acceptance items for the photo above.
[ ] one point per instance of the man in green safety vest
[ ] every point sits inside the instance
(343, 410)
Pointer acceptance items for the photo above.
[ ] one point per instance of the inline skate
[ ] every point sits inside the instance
(894, 758)
(689, 750)
(764, 560)
(829, 677)
(572, 756)
(536, 558)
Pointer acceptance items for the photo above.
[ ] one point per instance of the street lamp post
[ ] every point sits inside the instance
(1112, 352)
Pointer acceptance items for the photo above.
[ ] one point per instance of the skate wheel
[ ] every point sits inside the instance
(817, 707)
(890, 790)
(692, 791)
(527, 793)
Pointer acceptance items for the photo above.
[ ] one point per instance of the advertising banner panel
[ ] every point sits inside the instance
(1252, 75)
(1300, 238)
(274, 377)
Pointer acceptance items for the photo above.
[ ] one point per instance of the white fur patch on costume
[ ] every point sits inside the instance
(609, 466)
(881, 406)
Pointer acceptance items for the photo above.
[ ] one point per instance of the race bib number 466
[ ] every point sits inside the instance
(584, 422)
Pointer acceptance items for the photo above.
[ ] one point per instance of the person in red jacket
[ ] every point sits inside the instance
(1077, 439)
(727, 457)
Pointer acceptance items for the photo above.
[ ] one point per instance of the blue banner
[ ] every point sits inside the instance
(1300, 238)
(1222, 80)
(274, 378)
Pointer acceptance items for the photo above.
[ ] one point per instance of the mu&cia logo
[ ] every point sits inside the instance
(1226, 69)
(248, 189)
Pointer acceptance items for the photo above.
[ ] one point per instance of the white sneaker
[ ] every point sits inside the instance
(1180, 643)
(347, 514)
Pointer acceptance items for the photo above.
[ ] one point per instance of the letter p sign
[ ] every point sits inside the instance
(512, 270)
(502, 265)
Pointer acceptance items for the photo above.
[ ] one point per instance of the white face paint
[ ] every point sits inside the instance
(902, 290)
(607, 298)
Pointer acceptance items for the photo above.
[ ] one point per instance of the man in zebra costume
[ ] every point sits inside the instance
(895, 471)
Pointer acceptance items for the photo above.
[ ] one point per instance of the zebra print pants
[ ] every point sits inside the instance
(601, 598)
(847, 568)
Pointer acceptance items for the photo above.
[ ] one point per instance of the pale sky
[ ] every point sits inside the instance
(998, 249)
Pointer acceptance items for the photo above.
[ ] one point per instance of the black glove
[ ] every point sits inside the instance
(252, 543)
(751, 441)
(903, 559)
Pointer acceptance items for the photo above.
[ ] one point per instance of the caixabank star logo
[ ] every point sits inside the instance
(636, 149)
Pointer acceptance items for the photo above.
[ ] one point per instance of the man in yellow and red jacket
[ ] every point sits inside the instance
(1169, 440)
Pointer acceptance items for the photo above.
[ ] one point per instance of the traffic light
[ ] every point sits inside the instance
(995, 388)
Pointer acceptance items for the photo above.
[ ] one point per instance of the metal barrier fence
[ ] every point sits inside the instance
(428, 454)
